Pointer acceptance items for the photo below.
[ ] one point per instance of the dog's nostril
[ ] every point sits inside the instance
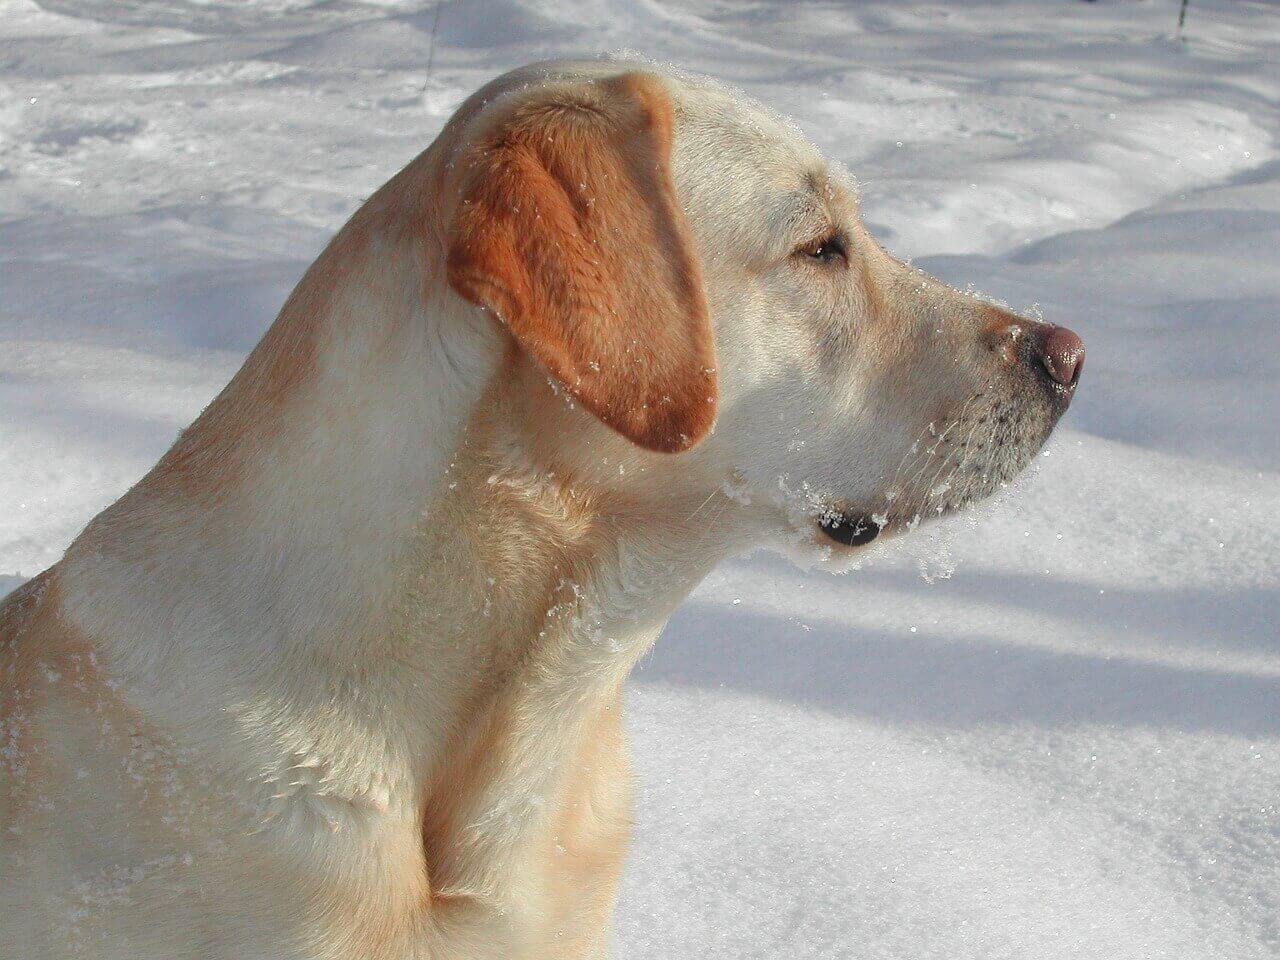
(1062, 354)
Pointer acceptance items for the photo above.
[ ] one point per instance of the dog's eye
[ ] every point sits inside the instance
(827, 250)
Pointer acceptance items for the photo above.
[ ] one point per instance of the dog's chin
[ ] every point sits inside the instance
(851, 529)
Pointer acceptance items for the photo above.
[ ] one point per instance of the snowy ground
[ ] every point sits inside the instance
(1048, 731)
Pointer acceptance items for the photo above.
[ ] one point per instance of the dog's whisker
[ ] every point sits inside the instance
(698, 510)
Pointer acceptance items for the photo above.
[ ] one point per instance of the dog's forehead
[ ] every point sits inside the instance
(737, 118)
(740, 130)
(720, 114)
(740, 165)
(734, 159)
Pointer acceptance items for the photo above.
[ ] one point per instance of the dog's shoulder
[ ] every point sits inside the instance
(28, 638)
(19, 607)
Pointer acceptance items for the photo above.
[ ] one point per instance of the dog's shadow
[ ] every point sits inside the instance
(963, 677)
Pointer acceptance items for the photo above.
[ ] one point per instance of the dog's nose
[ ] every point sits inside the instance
(1062, 354)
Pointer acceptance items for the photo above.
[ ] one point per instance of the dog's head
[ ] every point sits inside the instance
(697, 306)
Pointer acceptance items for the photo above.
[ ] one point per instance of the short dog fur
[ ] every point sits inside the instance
(339, 678)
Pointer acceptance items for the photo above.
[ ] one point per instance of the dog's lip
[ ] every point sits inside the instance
(851, 528)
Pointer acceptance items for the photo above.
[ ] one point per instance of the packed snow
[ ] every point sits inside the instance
(1048, 729)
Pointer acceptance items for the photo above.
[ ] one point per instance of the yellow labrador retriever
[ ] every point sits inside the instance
(339, 678)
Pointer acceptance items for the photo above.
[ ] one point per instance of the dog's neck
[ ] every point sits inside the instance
(339, 537)
(562, 603)
(276, 521)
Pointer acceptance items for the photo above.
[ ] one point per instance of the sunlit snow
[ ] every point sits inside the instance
(1047, 729)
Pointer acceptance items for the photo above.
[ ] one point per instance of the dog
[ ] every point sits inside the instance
(340, 676)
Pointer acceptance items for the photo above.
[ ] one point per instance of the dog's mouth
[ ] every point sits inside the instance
(963, 461)
(851, 529)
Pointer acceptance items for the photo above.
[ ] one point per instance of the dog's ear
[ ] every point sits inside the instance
(568, 229)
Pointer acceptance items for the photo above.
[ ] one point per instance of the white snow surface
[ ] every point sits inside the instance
(1050, 729)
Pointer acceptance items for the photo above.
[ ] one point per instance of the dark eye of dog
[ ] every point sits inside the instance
(827, 250)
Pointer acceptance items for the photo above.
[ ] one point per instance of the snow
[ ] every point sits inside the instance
(1049, 729)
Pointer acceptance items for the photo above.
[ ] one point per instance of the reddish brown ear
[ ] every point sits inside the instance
(568, 229)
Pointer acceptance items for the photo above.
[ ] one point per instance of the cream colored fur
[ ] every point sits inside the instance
(340, 679)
